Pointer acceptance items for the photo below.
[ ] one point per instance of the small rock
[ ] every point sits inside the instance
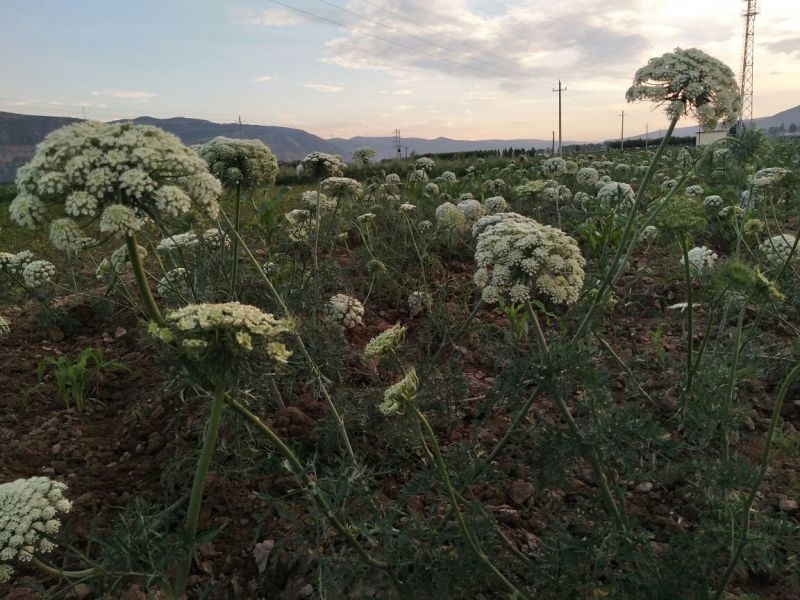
(644, 488)
(788, 505)
(56, 449)
(120, 332)
(81, 590)
(520, 492)
(307, 591)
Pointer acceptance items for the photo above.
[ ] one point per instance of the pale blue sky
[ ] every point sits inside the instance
(456, 68)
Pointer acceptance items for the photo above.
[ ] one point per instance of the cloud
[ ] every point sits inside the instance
(790, 46)
(324, 88)
(403, 92)
(128, 94)
(514, 42)
(272, 17)
(263, 79)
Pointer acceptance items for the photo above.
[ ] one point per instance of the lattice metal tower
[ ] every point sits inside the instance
(746, 84)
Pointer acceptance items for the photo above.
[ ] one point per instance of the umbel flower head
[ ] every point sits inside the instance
(319, 165)
(778, 248)
(217, 333)
(343, 311)
(38, 272)
(701, 260)
(5, 327)
(385, 342)
(248, 163)
(400, 395)
(520, 258)
(449, 216)
(342, 187)
(29, 510)
(124, 173)
(689, 82)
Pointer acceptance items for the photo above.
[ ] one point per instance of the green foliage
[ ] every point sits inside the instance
(74, 379)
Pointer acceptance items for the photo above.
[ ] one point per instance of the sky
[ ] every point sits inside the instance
(465, 69)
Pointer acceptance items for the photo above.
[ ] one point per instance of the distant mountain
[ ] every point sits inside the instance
(385, 146)
(19, 135)
(785, 118)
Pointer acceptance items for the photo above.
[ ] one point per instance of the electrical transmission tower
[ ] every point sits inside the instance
(397, 146)
(746, 86)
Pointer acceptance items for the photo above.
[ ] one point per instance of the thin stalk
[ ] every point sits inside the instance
(512, 428)
(468, 535)
(615, 261)
(737, 348)
(625, 366)
(235, 251)
(200, 474)
(316, 227)
(589, 453)
(687, 273)
(299, 472)
(762, 471)
(141, 279)
(51, 570)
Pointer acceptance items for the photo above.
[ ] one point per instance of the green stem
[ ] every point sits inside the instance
(687, 273)
(589, 453)
(200, 474)
(512, 428)
(737, 348)
(50, 570)
(468, 535)
(235, 252)
(299, 472)
(141, 279)
(608, 280)
(762, 471)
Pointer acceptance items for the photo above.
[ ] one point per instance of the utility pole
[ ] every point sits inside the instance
(559, 90)
(746, 85)
(622, 132)
(646, 135)
(240, 127)
(553, 151)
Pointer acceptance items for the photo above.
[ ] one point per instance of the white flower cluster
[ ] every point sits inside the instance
(418, 176)
(648, 234)
(777, 249)
(342, 187)
(418, 302)
(343, 311)
(495, 187)
(118, 263)
(312, 198)
(399, 395)
(713, 202)
(448, 177)
(393, 179)
(300, 224)
(66, 235)
(123, 172)
(15, 263)
(363, 156)
(37, 272)
(248, 163)
(407, 207)
(616, 195)
(5, 327)
(694, 191)
(701, 260)
(472, 209)
(554, 192)
(319, 165)
(770, 176)
(184, 241)
(587, 176)
(495, 204)
(228, 328)
(424, 163)
(386, 342)
(554, 167)
(516, 256)
(174, 283)
(689, 82)
(215, 239)
(29, 510)
(431, 189)
(668, 185)
(449, 216)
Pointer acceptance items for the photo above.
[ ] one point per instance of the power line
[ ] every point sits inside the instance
(416, 37)
(383, 39)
